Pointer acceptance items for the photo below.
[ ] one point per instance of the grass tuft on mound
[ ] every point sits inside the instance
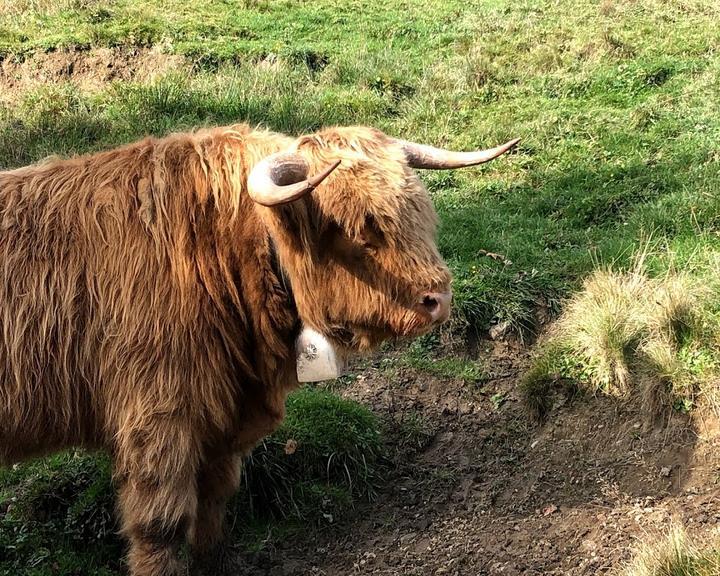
(57, 517)
(57, 514)
(326, 453)
(628, 333)
(675, 555)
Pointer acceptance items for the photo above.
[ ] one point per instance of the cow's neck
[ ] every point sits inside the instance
(275, 317)
(279, 272)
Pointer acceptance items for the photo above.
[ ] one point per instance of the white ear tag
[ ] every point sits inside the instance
(316, 358)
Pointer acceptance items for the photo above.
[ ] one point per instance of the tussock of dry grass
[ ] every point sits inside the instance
(674, 555)
(605, 323)
(628, 333)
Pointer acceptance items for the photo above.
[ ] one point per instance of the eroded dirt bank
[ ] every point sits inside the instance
(492, 493)
(90, 70)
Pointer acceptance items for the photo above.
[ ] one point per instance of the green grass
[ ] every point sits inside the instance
(613, 102)
(58, 518)
(326, 449)
(57, 514)
(219, 30)
(428, 355)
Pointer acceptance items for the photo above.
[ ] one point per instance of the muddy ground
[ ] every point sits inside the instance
(493, 493)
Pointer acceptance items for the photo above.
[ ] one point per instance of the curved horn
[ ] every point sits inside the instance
(282, 177)
(422, 156)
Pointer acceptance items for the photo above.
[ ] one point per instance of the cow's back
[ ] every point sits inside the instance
(84, 290)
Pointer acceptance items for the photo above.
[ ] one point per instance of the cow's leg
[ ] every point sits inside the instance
(217, 482)
(157, 495)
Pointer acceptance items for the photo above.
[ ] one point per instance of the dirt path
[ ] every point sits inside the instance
(492, 493)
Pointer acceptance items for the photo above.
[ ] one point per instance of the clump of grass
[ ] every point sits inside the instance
(415, 431)
(327, 451)
(605, 323)
(628, 332)
(675, 555)
(56, 517)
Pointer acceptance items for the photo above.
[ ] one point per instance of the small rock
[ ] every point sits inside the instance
(498, 331)
(665, 471)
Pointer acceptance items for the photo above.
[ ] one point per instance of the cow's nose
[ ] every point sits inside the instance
(437, 305)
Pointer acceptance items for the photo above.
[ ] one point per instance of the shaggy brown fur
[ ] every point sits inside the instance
(141, 312)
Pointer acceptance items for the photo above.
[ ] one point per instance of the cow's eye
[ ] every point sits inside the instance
(372, 237)
(336, 244)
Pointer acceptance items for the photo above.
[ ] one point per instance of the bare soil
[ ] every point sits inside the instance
(90, 70)
(493, 493)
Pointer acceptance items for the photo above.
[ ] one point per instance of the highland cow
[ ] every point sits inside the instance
(150, 297)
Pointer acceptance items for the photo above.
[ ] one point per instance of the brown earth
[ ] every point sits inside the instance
(492, 493)
(89, 70)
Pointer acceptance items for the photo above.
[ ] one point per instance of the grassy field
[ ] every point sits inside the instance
(614, 102)
(617, 104)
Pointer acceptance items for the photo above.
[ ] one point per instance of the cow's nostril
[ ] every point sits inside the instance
(431, 304)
